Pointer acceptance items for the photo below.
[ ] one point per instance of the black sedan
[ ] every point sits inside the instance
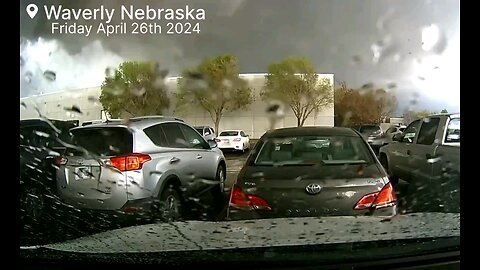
(311, 171)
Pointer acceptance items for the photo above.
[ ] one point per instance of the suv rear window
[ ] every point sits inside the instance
(104, 141)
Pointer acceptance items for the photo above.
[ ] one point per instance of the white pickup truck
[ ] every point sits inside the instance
(427, 156)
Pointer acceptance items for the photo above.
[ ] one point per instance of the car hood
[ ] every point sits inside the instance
(200, 235)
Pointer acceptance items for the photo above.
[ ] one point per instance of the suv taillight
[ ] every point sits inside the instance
(60, 160)
(243, 201)
(385, 198)
(129, 162)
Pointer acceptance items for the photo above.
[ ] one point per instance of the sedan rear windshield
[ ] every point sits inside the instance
(229, 133)
(368, 129)
(311, 150)
(104, 141)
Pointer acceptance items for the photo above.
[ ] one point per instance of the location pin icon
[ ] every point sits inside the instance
(32, 10)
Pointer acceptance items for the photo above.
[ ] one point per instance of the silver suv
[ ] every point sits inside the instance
(153, 165)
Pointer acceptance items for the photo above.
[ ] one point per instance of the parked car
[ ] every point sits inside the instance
(207, 132)
(42, 141)
(370, 132)
(377, 141)
(427, 155)
(156, 167)
(311, 171)
(367, 130)
(233, 140)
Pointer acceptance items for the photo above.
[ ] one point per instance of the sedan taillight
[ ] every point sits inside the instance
(217, 140)
(243, 201)
(237, 139)
(385, 198)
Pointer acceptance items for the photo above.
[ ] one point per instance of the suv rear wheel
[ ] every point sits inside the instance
(218, 193)
(171, 204)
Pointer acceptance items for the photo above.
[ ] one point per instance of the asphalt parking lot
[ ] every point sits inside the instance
(55, 228)
(235, 161)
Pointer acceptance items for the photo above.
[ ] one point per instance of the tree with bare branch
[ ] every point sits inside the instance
(214, 86)
(295, 82)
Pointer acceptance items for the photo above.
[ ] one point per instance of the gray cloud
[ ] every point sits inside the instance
(337, 35)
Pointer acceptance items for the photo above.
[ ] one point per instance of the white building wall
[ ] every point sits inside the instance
(253, 119)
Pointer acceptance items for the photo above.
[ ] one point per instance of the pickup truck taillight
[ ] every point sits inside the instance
(385, 198)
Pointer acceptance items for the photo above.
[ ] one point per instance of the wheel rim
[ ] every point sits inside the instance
(33, 203)
(172, 208)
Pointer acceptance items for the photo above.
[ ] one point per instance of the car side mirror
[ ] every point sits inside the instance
(212, 143)
(397, 137)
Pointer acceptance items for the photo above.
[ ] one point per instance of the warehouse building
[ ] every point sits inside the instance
(254, 120)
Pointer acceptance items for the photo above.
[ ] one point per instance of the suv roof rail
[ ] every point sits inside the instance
(133, 119)
(87, 123)
(155, 117)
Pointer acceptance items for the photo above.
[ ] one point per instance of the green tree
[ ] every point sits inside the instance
(134, 90)
(295, 82)
(215, 86)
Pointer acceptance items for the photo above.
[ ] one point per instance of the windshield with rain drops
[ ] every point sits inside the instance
(155, 127)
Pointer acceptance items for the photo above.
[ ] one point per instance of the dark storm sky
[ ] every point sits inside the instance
(340, 37)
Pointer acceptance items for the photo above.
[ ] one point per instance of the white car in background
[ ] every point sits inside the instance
(233, 140)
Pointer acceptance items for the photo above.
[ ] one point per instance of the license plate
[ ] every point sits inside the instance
(83, 173)
(226, 141)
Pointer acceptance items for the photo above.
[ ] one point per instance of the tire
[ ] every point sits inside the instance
(220, 177)
(218, 193)
(393, 179)
(171, 206)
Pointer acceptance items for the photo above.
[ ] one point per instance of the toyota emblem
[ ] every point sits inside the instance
(313, 189)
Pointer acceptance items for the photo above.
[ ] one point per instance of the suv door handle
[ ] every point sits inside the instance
(199, 156)
(174, 160)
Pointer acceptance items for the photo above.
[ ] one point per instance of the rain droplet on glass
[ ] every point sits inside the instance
(73, 109)
(50, 75)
